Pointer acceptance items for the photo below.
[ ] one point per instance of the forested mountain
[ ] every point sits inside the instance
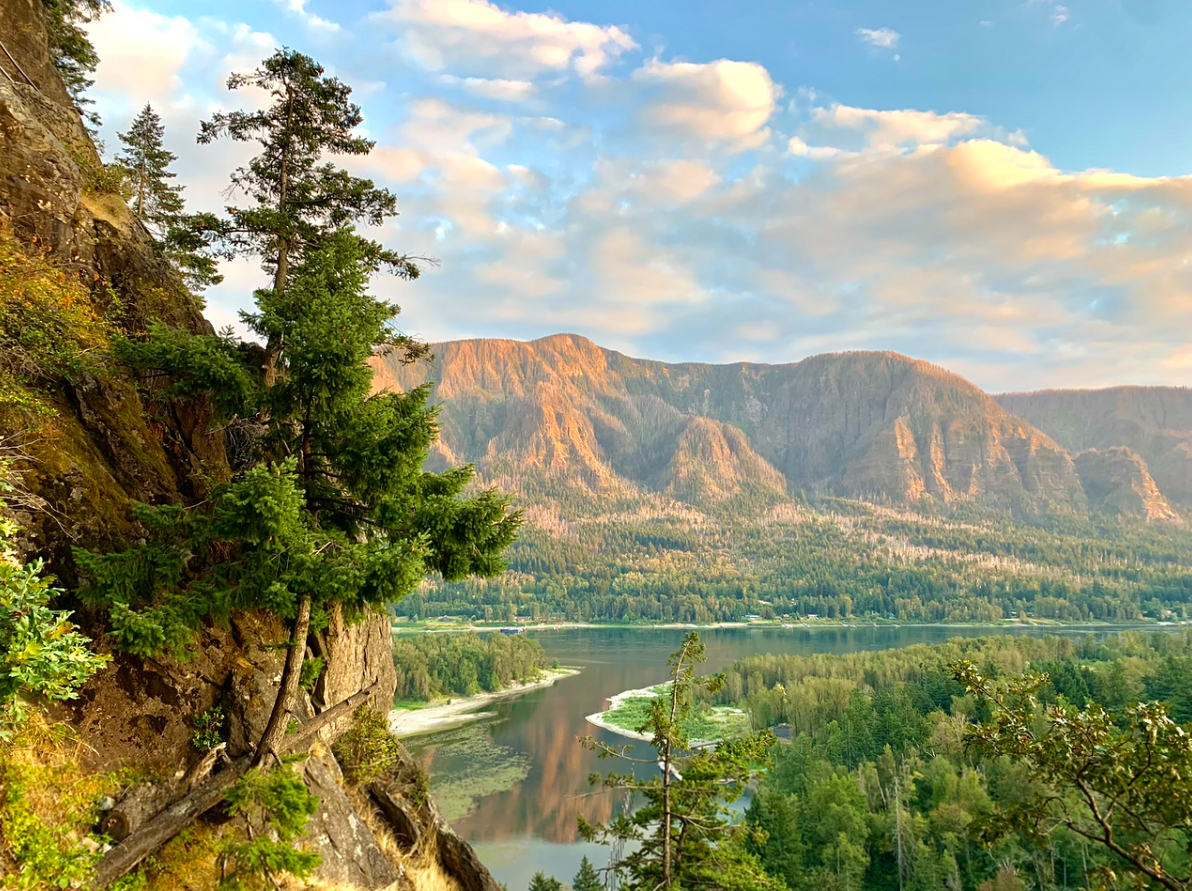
(856, 484)
(560, 417)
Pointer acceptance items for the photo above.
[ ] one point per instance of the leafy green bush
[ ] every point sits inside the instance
(279, 800)
(40, 652)
(208, 725)
(368, 749)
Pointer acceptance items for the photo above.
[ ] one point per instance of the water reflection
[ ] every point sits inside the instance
(515, 784)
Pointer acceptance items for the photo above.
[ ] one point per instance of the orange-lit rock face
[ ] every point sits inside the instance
(563, 415)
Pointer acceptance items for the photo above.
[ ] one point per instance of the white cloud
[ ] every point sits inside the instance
(724, 101)
(308, 18)
(504, 89)
(475, 37)
(884, 38)
(898, 128)
(142, 54)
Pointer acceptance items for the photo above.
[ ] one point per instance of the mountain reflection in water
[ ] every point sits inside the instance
(514, 783)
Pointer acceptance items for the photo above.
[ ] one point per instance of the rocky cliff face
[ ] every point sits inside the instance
(105, 443)
(1154, 422)
(1117, 481)
(866, 425)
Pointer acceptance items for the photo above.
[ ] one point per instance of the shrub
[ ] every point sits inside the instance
(49, 325)
(280, 802)
(368, 750)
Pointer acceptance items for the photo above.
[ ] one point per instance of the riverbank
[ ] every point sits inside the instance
(440, 716)
(715, 724)
(436, 627)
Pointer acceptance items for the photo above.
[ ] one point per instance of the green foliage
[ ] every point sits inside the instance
(71, 49)
(312, 669)
(146, 161)
(298, 196)
(587, 879)
(684, 835)
(539, 882)
(898, 777)
(193, 364)
(278, 802)
(49, 325)
(703, 722)
(41, 654)
(1121, 780)
(48, 807)
(839, 561)
(351, 520)
(431, 666)
(368, 749)
(208, 726)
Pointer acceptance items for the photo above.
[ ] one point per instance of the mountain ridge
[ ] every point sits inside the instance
(561, 415)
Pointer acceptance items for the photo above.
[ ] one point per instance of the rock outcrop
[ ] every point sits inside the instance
(1155, 422)
(1117, 481)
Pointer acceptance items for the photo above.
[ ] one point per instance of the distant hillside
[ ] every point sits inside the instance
(561, 417)
(1154, 422)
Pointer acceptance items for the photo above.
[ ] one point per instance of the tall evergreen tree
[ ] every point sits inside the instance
(299, 199)
(156, 201)
(337, 511)
(159, 204)
(587, 879)
(684, 836)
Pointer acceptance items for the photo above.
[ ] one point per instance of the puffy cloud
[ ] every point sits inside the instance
(142, 54)
(436, 124)
(496, 88)
(898, 128)
(308, 18)
(724, 101)
(885, 38)
(478, 37)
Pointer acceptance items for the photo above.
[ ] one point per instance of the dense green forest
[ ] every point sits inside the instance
(878, 788)
(843, 560)
(430, 666)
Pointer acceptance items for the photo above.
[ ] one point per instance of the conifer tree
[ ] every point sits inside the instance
(683, 836)
(336, 511)
(159, 204)
(299, 199)
(71, 49)
(539, 882)
(155, 201)
(587, 879)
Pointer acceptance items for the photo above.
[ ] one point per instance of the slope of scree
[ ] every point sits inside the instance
(102, 446)
(561, 415)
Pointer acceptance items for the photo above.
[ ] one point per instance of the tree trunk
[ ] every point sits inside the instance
(275, 730)
(152, 833)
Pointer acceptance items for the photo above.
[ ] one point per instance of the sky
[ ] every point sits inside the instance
(1001, 187)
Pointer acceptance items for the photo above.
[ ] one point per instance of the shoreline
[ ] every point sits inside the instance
(597, 720)
(797, 625)
(433, 717)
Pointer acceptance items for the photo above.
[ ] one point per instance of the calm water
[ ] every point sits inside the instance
(514, 783)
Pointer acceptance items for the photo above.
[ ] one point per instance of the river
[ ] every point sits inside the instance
(514, 783)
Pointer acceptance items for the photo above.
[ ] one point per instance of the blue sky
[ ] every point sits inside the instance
(998, 186)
